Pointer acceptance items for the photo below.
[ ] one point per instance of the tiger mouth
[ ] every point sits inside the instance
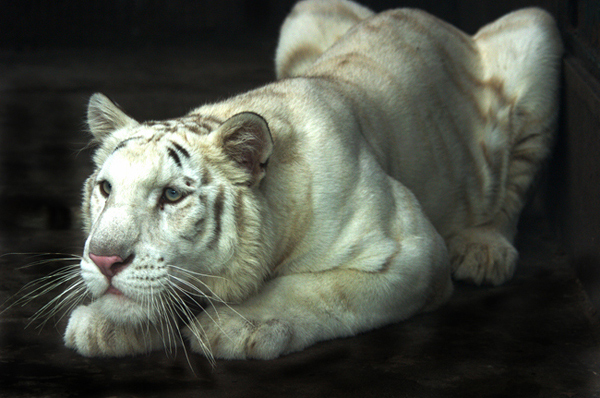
(113, 291)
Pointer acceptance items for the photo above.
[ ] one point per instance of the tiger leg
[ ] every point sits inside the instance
(521, 55)
(295, 311)
(311, 28)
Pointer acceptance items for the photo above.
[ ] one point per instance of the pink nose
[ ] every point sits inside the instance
(108, 265)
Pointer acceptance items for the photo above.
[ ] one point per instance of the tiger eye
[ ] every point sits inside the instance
(105, 188)
(172, 194)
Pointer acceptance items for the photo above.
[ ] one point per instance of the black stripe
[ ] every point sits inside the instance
(175, 157)
(239, 212)
(123, 143)
(206, 178)
(219, 203)
(199, 225)
(205, 126)
(200, 128)
(181, 149)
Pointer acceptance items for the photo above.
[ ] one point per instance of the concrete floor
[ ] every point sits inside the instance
(537, 336)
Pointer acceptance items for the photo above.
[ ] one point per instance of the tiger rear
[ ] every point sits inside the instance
(471, 156)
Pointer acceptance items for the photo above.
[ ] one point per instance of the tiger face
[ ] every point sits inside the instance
(168, 208)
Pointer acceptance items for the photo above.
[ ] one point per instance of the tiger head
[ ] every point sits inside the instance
(172, 211)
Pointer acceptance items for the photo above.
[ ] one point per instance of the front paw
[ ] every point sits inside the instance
(228, 334)
(92, 335)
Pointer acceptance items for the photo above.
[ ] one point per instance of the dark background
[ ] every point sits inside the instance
(30, 24)
(537, 336)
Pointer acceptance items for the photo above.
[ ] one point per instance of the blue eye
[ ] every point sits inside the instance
(105, 188)
(172, 195)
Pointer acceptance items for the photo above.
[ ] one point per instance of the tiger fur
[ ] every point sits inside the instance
(336, 200)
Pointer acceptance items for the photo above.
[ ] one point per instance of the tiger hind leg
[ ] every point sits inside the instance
(310, 29)
(521, 55)
(481, 255)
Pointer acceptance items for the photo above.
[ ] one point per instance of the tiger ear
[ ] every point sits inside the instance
(247, 140)
(104, 116)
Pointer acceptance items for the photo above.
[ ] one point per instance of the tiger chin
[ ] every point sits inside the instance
(393, 152)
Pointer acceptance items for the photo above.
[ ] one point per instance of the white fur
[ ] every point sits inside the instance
(314, 235)
(313, 27)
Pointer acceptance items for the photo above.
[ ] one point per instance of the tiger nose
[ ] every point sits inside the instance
(109, 265)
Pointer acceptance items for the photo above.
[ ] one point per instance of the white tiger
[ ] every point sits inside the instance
(285, 213)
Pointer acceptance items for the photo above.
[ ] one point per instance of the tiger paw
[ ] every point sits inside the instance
(482, 256)
(92, 335)
(227, 334)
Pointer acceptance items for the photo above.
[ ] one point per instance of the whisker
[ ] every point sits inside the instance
(196, 289)
(146, 303)
(69, 255)
(41, 286)
(166, 324)
(213, 297)
(191, 298)
(187, 271)
(202, 294)
(193, 328)
(61, 258)
(48, 307)
(190, 317)
(57, 278)
(50, 312)
(156, 322)
(55, 305)
(47, 261)
(80, 294)
(216, 322)
(67, 276)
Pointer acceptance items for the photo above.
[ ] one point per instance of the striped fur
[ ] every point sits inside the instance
(284, 212)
